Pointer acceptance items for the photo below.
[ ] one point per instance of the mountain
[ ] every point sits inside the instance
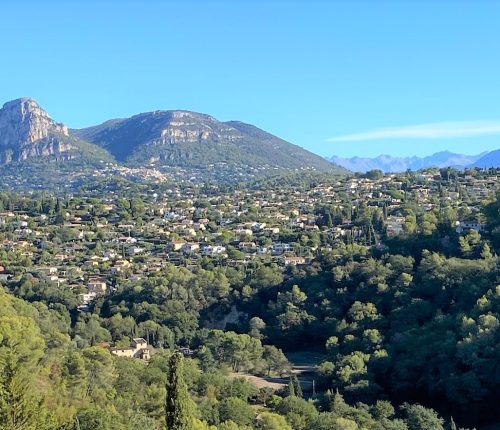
(28, 133)
(491, 159)
(387, 163)
(179, 138)
(190, 139)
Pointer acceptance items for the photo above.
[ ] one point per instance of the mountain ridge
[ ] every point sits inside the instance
(175, 138)
(192, 139)
(388, 163)
(491, 159)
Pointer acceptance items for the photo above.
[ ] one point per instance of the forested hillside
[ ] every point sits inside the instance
(407, 325)
(48, 382)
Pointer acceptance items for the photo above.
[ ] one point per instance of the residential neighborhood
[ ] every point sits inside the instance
(90, 245)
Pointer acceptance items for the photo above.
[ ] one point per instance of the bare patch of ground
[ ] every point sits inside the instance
(303, 365)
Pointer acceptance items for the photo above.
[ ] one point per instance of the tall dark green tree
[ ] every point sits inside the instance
(177, 402)
(294, 382)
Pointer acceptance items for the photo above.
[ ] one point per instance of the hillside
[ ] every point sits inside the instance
(189, 139)
(101, 287)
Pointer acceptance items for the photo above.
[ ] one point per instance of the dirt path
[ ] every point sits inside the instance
(261, 382)
(303, 365)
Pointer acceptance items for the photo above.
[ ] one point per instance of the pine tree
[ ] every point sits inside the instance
(21, 347)
(338, 404)
(177, 402)
(20, 406)
(486, 252)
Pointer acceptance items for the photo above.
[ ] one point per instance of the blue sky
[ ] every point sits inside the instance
(338, 78)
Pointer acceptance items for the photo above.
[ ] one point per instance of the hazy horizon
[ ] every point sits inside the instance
(408, 156)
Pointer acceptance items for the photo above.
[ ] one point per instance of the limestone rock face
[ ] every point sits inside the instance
(191, 139)
(191, 127)
(27, 131)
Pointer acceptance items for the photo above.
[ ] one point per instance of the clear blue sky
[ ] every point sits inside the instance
(306, 71)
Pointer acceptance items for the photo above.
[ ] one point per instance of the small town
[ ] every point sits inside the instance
(90, 245)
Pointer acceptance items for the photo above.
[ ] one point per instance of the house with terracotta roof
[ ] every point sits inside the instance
(138, 349)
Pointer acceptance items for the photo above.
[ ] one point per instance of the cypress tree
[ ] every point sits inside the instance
(328, 219)
(453, 426)
(294, 382)
(177, 402)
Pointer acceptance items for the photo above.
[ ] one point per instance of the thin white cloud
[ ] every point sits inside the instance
(435, 130)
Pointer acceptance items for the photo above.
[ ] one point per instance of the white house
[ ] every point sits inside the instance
(463, 226)
(213, 250)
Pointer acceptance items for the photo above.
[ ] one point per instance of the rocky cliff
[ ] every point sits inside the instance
(22, 121)
(27, 132)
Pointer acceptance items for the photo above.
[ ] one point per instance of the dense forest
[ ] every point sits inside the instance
(409, 333)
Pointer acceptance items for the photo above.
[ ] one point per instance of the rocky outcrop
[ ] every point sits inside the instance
(191, 127)
(50, 146)
(27, 131)
(158, 129)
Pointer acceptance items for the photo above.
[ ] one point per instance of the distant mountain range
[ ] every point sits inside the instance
(167, 138)
(387, 163)
(490, 159)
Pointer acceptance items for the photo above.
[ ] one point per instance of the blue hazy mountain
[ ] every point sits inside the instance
(388, 163)
(491, 159)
